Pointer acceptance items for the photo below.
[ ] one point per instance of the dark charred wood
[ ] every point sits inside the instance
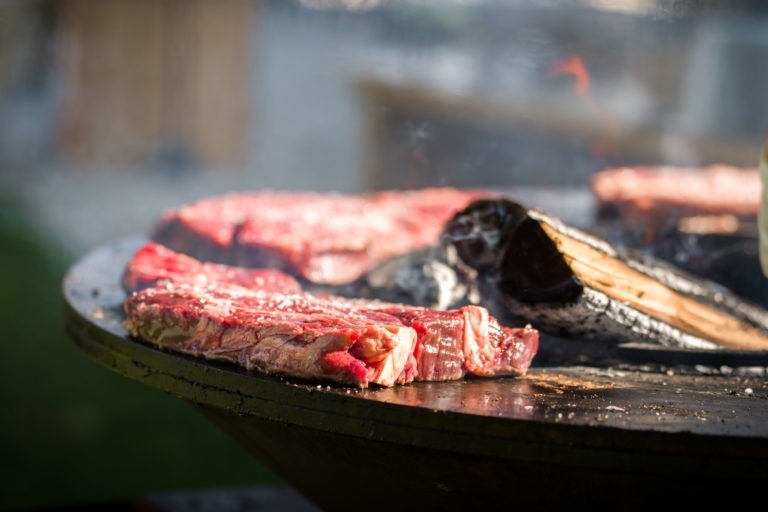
(532, 269)
(569, 282)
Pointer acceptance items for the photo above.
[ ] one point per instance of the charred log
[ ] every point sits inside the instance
(566, 281)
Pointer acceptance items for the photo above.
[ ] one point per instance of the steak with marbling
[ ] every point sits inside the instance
(323, 238)
(255, 324)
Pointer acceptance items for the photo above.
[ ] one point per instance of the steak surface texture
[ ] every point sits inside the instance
(323, 238)
(262, 324)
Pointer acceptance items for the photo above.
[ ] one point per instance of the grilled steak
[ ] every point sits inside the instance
(322, 238)
(227, 316)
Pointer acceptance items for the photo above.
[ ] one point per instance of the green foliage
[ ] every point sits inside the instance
(73, 431)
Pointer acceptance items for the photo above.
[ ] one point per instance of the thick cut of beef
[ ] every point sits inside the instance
(325, 238)
(328, 338)
(154, 263)
(319, 337)
(288, 334)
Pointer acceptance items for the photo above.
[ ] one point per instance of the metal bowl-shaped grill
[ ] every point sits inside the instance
(664, 426)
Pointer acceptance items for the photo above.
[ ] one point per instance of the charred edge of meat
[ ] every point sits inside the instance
(499, 239)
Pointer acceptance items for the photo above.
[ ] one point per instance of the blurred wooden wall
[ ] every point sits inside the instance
(149, 80)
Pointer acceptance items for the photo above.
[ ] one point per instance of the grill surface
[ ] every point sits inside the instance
(598, 423)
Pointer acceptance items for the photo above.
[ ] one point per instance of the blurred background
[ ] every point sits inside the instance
(111, 111)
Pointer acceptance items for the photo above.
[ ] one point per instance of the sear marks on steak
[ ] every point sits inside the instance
(154, 263)
(323, 238)
(258, 325)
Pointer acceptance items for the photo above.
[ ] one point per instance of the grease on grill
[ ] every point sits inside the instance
(561, 383)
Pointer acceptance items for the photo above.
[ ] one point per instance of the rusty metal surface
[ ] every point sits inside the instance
(671, 415)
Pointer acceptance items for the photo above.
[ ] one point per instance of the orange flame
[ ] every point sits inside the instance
(574, 67)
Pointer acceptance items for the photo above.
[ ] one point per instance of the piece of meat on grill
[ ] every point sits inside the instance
(153, 263)
(284, 331)
(713, 199)
(327, 338)
(287, 334)
(323, 238)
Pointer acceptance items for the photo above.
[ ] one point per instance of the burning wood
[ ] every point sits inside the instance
(566, 281)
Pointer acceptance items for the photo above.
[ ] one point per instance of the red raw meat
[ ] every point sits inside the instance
(325, 238)
(261, 323)
(652, 197)
(154, 263)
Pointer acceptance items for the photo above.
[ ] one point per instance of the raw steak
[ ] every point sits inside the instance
(716, 198)
(154, 263)
(325, 238)
(320, 337)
